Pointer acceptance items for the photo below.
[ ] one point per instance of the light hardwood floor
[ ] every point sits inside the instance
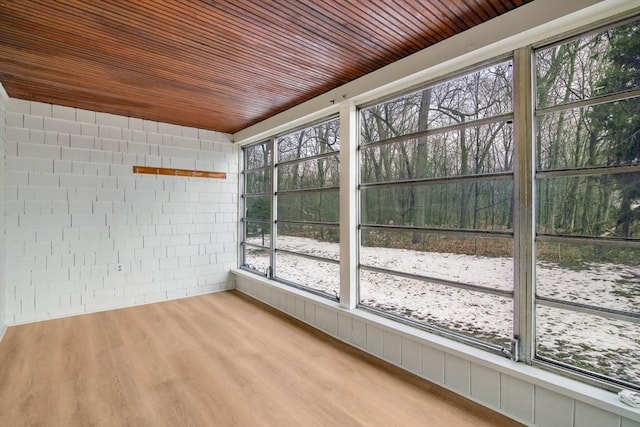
(215, 360)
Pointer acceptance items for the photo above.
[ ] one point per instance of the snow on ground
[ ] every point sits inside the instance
(596, 343)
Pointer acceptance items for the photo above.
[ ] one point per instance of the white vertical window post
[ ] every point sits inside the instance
(522, 347)
(242, 209)
(274, 206)
(348, 204)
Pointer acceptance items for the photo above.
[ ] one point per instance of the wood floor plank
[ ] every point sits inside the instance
(221, 359)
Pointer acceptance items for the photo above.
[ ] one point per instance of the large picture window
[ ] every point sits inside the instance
(436, 187)
(588, 203)
(256, 199)
(499, 207)
(307, 226)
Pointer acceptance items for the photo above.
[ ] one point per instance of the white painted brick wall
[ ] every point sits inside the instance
(12, 207)
(73, 209)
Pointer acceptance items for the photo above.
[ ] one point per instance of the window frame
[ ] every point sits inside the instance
(513, 351)
(524, 177)
(274, 193)
(570, 370)
(244, 221)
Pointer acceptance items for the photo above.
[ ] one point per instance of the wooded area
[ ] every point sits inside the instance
(442, 157)
(430, 142)
(602, 134)
(437, 177)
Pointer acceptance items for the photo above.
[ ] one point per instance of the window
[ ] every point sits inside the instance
(508, 224)
(256, 196)
(436, 195)
(588, 204)
(307, 237)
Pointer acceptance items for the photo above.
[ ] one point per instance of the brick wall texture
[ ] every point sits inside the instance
(74, 212)
(4, 100)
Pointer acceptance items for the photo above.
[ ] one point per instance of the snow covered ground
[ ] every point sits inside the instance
(596, 343)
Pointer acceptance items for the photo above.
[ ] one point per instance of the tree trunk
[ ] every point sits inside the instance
(422, 158)
(464, 170)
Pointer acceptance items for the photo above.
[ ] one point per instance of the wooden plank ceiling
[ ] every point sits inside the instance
(222, 65)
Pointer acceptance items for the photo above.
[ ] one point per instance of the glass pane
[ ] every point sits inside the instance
(257, 259)
(481, 94)
(318, 173)
(601, 276)
(321, 206)
(597, 64)
(258, 207)
(600, 135)
(474, 150)
(319, 240)
(480, 205)
(311, 141)
(477, 261)
(258, 233)
(599, 206)
(483, 316)
(258, 181)
(257, 156)
(608, 347)
(317, 275)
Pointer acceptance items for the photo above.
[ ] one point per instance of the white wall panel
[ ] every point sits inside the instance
(392, 347)
(299, 313)
(411, 355)
(291, 305)
(310, 313)
(517, 398)
(433, 364)
(457, 374)
(345, 325)
(375, 340)
(282, 298)
(330, 322)
(629, 423)
(553, 409)
(359, 334)
(485, 385)
(589, 416)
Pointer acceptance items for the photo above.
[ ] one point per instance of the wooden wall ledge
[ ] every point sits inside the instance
(179, 172)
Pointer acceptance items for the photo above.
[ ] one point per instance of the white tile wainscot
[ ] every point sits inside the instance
(527, 394)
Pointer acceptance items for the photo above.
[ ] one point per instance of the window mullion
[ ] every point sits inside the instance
(523, 226)
(274, 206)
(242, 224)
(348, 218)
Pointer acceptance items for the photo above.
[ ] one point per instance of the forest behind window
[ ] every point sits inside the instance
(256, 196)
(469, 225)
(436, 188)
(308, 183)
(588, 203)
